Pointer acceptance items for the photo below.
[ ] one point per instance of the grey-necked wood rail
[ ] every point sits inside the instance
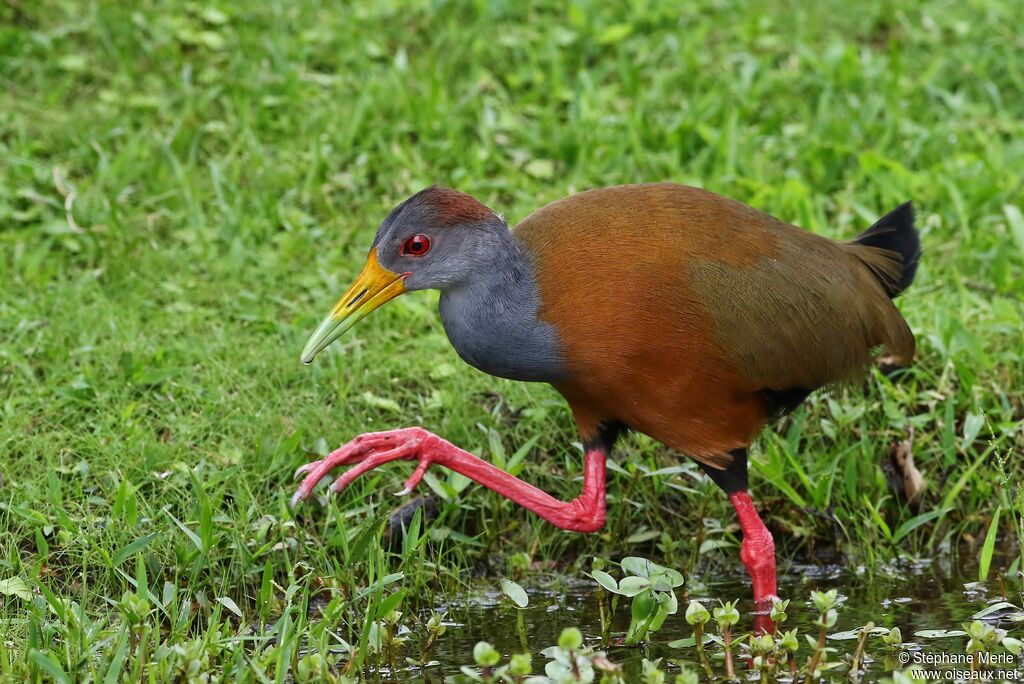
(660, 308)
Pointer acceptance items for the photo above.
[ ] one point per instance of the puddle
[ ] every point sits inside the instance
(911, 598)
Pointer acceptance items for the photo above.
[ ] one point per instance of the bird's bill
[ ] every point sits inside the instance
(374, 286)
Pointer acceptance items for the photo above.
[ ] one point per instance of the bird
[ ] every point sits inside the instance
(658, 308)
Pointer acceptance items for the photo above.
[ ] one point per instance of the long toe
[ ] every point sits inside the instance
(351, 452)
(370, 462)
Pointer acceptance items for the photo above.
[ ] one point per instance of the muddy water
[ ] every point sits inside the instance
(913, 598)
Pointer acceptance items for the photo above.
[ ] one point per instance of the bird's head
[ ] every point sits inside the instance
(436, 239)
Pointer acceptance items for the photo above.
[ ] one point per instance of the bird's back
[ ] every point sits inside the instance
(684, 314)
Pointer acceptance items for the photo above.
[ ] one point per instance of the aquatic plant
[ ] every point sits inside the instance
(983, 639)
(606, 602)
(487, 659)
(858, 652)
(726, 616)
(435, 628)
(698, 616)
(825, 602)
(651, 588)
(520, 600)
(574, 663)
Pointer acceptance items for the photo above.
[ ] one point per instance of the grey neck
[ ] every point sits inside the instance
(491, 319)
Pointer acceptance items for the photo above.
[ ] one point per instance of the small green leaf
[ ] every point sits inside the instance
(631, 586)
(230, 605)
(515, 463)
(542, 169)
(485, 655)
(666, 579)
(641, 567)
(515, 592)
(616, 33)
(690, 641)
(570, 639)
(994, 608)
(606, 581)
(643, 536)
(726, 614)
(667, 605)
(882, 525)
(939, 633)
(15, 586)
(73, 62)
(696, 613)
(642, 613)
(497, 449)
(212, 15)
(973, 423)
(855, 633)
(519, 664)
(371, 399)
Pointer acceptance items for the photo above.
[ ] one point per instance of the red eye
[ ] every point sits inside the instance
(417, 245)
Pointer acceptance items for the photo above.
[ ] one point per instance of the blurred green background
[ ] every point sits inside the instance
(185, 188)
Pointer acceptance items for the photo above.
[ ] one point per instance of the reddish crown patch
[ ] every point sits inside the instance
(454, 207)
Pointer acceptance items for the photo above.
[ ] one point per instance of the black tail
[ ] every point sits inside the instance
(895, 232)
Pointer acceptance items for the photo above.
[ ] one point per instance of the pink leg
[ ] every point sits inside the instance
(757, 553)
(758, 549)
(583, 514)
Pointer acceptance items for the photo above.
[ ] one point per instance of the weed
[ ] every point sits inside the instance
(651, 589)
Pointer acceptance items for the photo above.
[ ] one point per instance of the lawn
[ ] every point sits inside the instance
(185, 189)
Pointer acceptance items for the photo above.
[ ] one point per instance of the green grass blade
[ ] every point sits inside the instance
(129, 550)
(48, 664)
(910, 525)
(988, 548)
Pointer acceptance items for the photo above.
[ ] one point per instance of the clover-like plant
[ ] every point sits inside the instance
(435, 628)
(520, 666)
(983, 639)
(762, 648)
(487, 659)
(825, 602)
(651, 588)
(652, 672)
(893, 639)
(778, 611)
(698, 616)
(574, 663)
(726, 616)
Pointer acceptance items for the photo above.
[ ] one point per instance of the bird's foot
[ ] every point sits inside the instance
(369, 451)
(585, 513)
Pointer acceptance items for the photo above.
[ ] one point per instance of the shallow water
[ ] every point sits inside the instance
(913, 598)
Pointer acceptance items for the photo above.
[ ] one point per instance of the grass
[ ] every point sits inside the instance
(185, 189)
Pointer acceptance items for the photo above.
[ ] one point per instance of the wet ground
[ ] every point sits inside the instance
(914, 598)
